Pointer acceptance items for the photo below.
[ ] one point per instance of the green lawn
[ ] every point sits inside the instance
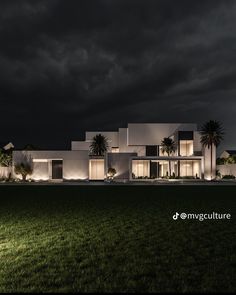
(116, 239)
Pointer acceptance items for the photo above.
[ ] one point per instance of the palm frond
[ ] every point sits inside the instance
(212, 133)
(168, 145)
(99, 145)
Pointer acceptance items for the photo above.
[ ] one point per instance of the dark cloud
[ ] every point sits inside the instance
(71, 66)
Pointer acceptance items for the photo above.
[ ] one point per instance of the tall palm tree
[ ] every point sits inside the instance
(99, 145)
(168, 146)
(211, 135)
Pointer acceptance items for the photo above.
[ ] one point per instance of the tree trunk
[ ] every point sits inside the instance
(24, 177)
(211, 161)
(169, 166)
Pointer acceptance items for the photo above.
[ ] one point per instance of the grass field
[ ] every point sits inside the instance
(116, 239)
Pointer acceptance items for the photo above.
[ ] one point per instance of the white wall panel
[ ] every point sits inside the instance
(75, 163)
(153, 133)
(227, 169)
(80, 145)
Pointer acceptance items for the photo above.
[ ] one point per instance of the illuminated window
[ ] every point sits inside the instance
(115, 150)
(163, 168)
(96, 169)
(186, 147)
(190, 168)
(141, 168)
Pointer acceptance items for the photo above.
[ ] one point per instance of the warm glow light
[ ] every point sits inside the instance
(40, 160)
(115, 150)
(39, 178)
(96, 169)
(75, 178)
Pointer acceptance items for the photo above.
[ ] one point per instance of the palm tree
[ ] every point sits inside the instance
(99, 145)
(168, 146)
(211, 135)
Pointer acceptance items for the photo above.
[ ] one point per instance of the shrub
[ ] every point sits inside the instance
(230, 160)
(173, 176)
(220, 161)
(111, 173)
(187, 177)
(183, 177)
(218, 174)
(23, 169)
(228, 176)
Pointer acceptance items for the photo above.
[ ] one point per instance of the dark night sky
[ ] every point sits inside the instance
(70, 66)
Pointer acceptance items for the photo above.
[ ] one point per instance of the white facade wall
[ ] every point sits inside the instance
(123, 139)
(121, 162)
(5, 171)
(197, 146)
(80, 145)
(75, 163)
(153, 133)
(124, 148)
(227, 169)
(41, 171)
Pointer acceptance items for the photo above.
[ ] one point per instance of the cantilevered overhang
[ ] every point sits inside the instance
(171, 158)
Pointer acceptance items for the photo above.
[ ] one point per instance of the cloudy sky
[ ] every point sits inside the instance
(70, 66)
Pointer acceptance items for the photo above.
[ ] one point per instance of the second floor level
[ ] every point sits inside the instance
(145, 139)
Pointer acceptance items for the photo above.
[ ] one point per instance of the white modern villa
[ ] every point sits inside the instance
(134, 152)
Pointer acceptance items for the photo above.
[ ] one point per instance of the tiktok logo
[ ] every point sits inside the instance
(175, 216)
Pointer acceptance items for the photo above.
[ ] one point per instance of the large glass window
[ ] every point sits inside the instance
(141, 168)
(186, 147)
(190, 168)
(96, 169)
(163, 168)
(167, 168)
